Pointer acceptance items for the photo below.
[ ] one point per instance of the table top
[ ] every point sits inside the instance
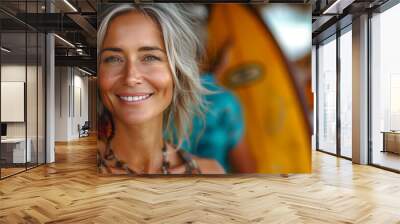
(391, 132)
(13, 140)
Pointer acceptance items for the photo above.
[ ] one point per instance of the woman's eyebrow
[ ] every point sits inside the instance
(144, 48)
(151, 48)
(111, 49)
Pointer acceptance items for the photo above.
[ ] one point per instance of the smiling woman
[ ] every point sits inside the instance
(149, 86)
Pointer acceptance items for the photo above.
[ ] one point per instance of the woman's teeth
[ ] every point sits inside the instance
(134, 98)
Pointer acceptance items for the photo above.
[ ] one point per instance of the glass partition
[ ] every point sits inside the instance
(13, 95)
(22, 89)
(346, 93)
(31, 99)
(327, 96)
(41, 86)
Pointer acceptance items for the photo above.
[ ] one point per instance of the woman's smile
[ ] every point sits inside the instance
(134, 98)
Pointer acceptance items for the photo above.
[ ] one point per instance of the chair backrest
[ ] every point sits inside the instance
(86, 124)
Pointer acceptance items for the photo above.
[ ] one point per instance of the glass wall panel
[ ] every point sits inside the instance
(41, 98)
(327, 96)
(346, 94)
(13, 95)
(22, 89)
(313, 84)
(31, 97)
(385, 89)
(33, 65)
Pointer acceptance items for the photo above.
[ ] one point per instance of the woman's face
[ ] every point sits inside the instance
(135, 79)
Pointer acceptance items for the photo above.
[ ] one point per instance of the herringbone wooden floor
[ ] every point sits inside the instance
(70, 191)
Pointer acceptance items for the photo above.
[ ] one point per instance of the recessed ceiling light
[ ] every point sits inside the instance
(64, 40)
(337, 7)
(5, 50)
(70, 5)
(84, 71)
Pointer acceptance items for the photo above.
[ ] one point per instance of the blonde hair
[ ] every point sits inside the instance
(182, 47)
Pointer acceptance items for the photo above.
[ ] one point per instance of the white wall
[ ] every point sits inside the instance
(33, 127)
(71, 93)
(80, 100)
(14, 73)
(61, 103)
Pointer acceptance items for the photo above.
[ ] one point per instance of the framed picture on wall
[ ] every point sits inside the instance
(201, 89)
(12, 101)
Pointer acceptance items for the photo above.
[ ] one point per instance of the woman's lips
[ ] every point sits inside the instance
(134, 98)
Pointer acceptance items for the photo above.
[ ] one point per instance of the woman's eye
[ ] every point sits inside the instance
(112, 59)
(151, 58)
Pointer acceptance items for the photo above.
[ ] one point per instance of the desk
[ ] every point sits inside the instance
(391, 141)
(13, 150)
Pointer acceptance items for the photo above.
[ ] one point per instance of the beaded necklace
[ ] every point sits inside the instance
(120, 164)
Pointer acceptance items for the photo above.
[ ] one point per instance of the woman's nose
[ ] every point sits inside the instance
(133, 75)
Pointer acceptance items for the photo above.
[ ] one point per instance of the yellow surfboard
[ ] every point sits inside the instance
(277, 129)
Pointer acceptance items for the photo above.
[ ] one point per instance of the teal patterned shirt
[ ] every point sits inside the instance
(223, 128)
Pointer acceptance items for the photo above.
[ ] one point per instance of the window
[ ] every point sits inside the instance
(327, 96)
(346, 93)
(385, 88)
